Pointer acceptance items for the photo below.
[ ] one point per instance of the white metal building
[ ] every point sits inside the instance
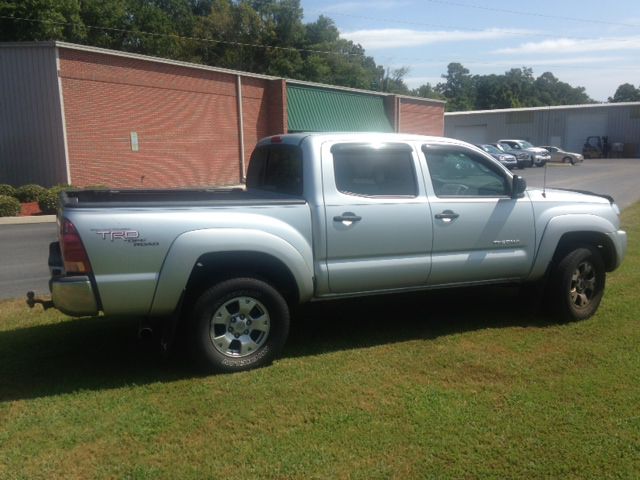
(566, 126)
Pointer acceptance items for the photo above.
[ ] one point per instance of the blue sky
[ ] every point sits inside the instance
(587, 43)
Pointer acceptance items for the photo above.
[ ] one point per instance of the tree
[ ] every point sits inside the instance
(626, 93)
(44, 20)
(427, 91)
(458, 88)
(393, 81)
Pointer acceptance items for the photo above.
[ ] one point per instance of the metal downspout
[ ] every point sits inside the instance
(241, 129)
(63, 117)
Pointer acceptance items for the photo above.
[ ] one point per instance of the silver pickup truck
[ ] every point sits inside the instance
(326, 216)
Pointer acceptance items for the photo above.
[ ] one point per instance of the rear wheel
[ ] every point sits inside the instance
(238, 324)
(577, 284)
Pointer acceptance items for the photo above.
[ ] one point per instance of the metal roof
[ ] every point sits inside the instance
(550, 107)
(326, 110)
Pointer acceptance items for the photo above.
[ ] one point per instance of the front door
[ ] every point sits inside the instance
(480, 233)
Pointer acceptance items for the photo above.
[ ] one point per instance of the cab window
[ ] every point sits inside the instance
(457, 172)
(374, 171)
(276, 168)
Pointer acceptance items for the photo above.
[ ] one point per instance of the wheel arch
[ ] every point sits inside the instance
(566, 232)
(215, 267)
(213, 251)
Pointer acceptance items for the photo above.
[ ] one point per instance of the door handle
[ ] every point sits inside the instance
(347, 218)
(447, 216)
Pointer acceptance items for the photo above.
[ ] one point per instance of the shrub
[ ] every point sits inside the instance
(9, 206)
(29, 193)
(49, 201)
(7, 190)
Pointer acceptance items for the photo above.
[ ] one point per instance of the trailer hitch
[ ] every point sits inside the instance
(32, 301)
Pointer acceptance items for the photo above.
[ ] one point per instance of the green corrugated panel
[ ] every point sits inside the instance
(317, 110)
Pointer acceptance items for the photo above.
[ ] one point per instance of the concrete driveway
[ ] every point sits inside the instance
(24, 248)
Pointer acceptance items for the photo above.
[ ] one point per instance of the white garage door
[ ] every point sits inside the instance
(583, 125)
(471, 133)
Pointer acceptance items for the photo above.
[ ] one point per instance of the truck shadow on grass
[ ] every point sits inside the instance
(102, 353)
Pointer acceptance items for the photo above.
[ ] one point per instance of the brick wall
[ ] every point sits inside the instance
(421, 117)
(186, 120)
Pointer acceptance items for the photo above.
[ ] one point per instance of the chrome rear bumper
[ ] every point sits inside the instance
(74, 296)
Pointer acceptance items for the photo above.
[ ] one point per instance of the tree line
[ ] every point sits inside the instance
(269, 37)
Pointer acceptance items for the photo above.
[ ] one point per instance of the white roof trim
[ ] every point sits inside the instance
(542, 109)
(148, 58)
(359, 90)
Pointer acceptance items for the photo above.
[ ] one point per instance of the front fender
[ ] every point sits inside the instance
(190, 246)
(561, 225)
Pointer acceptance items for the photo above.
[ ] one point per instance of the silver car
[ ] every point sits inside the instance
(559, 155)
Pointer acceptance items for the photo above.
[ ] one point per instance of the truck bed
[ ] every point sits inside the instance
(174, 198)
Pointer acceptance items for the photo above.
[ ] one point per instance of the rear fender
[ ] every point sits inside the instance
(190, 246)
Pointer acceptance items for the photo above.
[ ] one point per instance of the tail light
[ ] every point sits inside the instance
(74, 255)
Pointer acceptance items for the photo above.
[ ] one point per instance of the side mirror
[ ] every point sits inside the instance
(518, 187)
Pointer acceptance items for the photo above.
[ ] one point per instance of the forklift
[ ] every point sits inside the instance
(596, 147)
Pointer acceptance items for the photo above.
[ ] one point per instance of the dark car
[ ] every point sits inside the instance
(507, 159)
(523, 158)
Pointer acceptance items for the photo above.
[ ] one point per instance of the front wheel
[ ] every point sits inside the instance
(577, 284)
(237, 325)
(569, 159)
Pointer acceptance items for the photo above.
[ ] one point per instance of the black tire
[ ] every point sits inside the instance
(269, 310)
(569, 159)
(576, 285)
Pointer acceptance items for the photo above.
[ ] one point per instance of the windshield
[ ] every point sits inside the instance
(526, 144)
(490, 149)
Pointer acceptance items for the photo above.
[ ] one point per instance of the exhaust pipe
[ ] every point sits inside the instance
(145, 332)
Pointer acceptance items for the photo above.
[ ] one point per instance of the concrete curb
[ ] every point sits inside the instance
(27, 220)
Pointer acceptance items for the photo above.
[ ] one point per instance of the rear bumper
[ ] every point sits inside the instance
(73, 296)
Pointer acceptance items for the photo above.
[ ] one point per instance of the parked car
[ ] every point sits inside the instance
(523, 158)
(326, 216)
(559, 155)
(539, 156)
(507, 159)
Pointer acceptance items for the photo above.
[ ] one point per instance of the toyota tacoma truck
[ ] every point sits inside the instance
(326, 216)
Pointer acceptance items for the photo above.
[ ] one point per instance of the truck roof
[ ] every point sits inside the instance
(296, 138)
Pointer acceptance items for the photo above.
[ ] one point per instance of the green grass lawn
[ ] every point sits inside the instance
(467, 384)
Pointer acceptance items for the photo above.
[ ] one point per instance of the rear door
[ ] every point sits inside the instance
(479, 232)
(378, 221)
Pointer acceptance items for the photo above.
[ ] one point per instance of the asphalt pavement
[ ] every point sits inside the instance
(619, 178)
(24, 248)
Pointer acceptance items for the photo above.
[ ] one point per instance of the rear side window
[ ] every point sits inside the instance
(374, 171)
(276, 168)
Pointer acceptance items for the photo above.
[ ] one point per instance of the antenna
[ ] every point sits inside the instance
(544, 182)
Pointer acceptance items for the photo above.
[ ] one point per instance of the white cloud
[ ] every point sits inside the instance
(415, 82)
(364, 6)
(398, 37)
(599, 87)
(569, 45)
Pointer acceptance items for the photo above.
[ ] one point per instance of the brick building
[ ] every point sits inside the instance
(84, 115)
